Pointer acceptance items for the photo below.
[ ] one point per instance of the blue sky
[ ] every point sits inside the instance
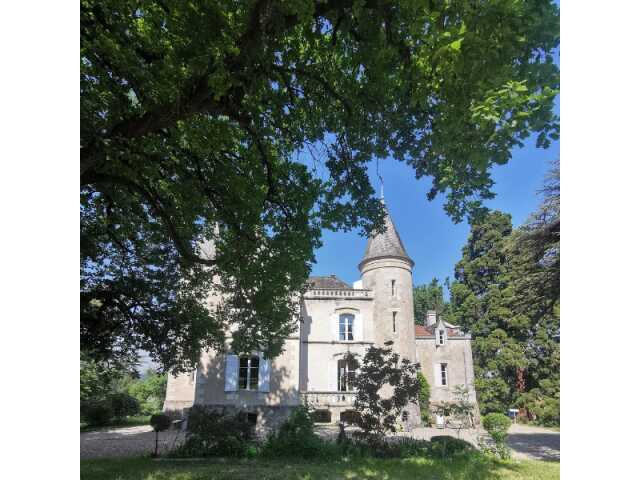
(431, 238)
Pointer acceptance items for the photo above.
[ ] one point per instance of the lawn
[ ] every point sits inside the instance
(474, 466)
(133, 421)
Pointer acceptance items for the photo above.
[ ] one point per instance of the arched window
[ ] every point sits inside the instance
(346, 326)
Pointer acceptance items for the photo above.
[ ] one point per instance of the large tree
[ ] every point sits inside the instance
(507, 295)
(428, 297)
(192, 118)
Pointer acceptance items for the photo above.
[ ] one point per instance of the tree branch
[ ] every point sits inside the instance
(182, 247)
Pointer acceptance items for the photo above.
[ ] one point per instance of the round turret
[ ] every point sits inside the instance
(387, 270)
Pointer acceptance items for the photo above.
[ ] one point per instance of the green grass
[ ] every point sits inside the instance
(473, 466)
(126, 422)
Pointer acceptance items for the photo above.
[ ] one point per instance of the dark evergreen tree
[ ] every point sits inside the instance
(506, 294)
(428, 297)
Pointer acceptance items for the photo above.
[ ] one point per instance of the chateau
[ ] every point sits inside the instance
(335, 318)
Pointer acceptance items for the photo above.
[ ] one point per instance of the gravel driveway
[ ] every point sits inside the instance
(126, 442)
(534, 442)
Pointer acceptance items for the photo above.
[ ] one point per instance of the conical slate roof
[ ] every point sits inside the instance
(387, 244)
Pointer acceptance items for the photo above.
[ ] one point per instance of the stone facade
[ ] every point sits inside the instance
(335, 318)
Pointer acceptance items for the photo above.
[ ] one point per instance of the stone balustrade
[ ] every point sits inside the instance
(329, 399)
(338, 293)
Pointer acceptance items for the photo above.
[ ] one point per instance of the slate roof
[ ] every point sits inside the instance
(330, 281)
(387, 244)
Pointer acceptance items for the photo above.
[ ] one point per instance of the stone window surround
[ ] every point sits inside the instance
(358, 325)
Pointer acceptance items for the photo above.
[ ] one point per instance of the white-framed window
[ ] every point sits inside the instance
(346, 375)
(346, 326)
(395, 326)
(248, 373)
(393, 288)
(443, 374)
(441, 334)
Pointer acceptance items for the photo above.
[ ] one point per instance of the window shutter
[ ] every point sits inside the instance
(264, 374)
(334, 329)
(437, 379)
(231, 373)
(358, 328)
(332, 385)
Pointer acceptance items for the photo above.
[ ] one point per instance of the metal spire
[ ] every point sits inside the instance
(381, 181)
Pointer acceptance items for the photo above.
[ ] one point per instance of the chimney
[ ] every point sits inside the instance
(431, 318)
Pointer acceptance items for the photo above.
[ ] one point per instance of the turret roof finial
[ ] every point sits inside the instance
(381, 181)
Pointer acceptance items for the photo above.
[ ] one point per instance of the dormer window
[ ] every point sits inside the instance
(346, 327)
(441, 335)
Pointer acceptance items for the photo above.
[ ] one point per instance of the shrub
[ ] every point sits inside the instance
(497, 425)
(295, 437)
(160, 422)
(96, 412)
(424, 396)
(445, 445)
(212, 433)
(124, 405)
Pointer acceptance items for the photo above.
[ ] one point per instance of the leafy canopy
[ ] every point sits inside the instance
(193, 116)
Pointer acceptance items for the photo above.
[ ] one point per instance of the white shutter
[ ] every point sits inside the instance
(332, 375)
(358, 329)
(232, 365)
(333, 327)
(437, 379)
(264, 374)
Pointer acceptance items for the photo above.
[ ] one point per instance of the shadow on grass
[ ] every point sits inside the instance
(472, 466)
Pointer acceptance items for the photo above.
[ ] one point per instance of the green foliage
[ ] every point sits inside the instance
(160, 422)
(507, 295)
(383, 367)
(100, 379)
(543, 403)
(295, 437)
(473, 466)
(446, 446)
(124, 405)
(497, 426)
(150, 391)
(193, 119)
(96, 413)
(428, 297)
(211, 433)
(424, 395)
